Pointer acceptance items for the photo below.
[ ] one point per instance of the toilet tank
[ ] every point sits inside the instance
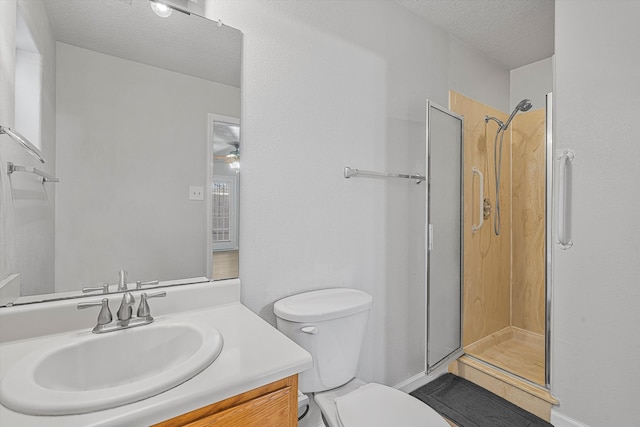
(329, 324)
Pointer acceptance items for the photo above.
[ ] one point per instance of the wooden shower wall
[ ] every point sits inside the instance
(528, 221)
(503, 275)
(487, 257)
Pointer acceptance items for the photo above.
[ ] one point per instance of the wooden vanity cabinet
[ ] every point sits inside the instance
(272, 405)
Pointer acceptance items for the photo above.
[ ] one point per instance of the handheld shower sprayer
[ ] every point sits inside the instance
(524, 105)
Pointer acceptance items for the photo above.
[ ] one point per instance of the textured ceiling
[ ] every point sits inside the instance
(512, 32)
(185, 44)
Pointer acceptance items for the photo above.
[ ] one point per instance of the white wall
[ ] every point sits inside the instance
(477, 77)
(125, 173)
(596, 298)
(27, 206)
(328, 84)
(532, 81)
(8, 260)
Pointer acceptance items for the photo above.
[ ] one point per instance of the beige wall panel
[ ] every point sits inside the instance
(528, 221)
(487, 257)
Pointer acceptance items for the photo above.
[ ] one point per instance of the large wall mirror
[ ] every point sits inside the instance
(147, 146)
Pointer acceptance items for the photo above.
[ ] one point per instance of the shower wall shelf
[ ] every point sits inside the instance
(24, 142)
(11, 168)
(350, 172)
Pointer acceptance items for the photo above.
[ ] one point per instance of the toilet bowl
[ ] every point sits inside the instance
(330, 324)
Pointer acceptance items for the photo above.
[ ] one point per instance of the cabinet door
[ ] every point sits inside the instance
(270, 410)
(444, 217)
(272, 405)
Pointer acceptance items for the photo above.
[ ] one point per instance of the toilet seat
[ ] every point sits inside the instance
(376, 405)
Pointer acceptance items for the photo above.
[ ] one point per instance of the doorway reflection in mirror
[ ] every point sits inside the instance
(223, 238)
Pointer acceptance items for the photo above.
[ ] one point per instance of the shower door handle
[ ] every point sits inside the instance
(474, 227)
(564, 197)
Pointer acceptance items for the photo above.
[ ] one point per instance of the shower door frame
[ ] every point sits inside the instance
(549, 209)
(430, 366)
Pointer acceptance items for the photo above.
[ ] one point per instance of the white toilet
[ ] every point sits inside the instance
(330, 324)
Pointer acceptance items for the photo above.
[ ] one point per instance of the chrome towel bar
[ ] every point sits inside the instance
(24, 142)
(349, 172)
(11, 168)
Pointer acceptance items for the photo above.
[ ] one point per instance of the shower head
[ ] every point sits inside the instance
(524, 105)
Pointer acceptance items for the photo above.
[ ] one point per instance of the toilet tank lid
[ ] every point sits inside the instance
(324, 304)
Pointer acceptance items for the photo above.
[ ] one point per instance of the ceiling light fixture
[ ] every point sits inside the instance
(161, 9)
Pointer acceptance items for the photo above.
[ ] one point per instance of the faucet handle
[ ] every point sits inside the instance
(122, 282)
(104, 317)
(140, 283)
(103, 287)
(143, 308)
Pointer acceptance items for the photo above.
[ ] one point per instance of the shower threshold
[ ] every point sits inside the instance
(514, 350)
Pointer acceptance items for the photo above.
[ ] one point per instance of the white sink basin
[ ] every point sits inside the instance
(91, 372)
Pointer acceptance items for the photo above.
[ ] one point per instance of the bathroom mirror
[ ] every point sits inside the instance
(146, 114)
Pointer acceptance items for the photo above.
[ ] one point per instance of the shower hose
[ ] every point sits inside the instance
(497, 165)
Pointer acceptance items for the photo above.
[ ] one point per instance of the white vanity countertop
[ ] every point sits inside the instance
(254, 354)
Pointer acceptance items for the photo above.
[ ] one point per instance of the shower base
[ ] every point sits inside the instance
(514, 350)
(523, 393)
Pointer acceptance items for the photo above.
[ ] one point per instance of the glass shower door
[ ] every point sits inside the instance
(444, 235)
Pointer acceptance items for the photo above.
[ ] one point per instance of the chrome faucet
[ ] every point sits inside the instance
(122, 282)
(125, 310)
(124, 321)
(121, 285)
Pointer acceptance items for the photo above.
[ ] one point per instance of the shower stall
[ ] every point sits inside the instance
(505, 302)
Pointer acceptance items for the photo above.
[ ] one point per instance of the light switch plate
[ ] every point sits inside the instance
(196, 193)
